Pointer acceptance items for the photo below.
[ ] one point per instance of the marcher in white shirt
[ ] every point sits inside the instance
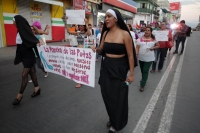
(145, 52)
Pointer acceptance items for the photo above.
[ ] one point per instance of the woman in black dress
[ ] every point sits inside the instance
(25, 42)
(117, 47)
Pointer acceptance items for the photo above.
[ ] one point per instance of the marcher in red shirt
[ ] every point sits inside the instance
(181, 36)
(161, 52)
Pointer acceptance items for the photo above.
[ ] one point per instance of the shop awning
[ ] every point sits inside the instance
(52, 2)
(128, 5)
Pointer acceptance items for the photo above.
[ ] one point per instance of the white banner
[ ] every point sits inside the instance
(77, 64)
(161, 35)
(75, 17)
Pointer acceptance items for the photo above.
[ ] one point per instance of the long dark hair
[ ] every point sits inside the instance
(129, 25)
(152, 36)
(121, 24)
(85, 28)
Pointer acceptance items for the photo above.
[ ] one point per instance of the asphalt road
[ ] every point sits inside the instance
(170, 102)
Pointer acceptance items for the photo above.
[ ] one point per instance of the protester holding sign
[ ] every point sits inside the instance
(162, 51)
(81, 34)
(37, 30)
(117, 46)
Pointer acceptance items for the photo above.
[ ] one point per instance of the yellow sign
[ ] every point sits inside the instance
(36, 9)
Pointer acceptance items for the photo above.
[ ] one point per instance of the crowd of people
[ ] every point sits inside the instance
(120, 48)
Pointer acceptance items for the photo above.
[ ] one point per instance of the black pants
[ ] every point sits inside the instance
(161, 53)
(182, 40)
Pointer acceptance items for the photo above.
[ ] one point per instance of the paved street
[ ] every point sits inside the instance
(62, 108)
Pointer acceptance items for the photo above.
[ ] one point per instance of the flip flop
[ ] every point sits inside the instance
(152, 71)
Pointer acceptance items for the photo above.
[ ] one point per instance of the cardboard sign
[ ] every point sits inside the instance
(75, 17)
(161, 35)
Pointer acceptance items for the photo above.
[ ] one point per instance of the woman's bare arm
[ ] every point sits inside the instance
(100, 49)
(157, 45)
(129, 48)
(40, 31)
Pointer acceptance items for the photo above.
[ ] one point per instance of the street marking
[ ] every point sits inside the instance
(144, 119)
(166, 119)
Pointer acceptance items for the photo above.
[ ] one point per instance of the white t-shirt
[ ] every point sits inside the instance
(132, 34)
(145, 54)
(98, 38)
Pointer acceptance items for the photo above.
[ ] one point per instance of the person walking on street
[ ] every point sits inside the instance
(181, 36)
(40, 33)
(142, 30)
(145, 52)
(83, 32)
(24, 53)
(157, 26)
(132, 33)
(117, 46)
(162, 51)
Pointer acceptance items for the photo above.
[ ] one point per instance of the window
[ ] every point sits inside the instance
(143, 5)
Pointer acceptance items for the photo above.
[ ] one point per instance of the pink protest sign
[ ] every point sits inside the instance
(77, 64)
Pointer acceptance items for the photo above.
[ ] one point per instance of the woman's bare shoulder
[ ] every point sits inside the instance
(125, 32)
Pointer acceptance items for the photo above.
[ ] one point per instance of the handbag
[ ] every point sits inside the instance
(169, 44)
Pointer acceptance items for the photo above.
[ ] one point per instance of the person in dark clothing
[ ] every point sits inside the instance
(181, 37)
(26, 41)
(188, 31)
(116, 45)
(143, 27)
(162, 51)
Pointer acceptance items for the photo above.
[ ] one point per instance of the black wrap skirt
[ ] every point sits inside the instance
(114, 90)
(24, 55)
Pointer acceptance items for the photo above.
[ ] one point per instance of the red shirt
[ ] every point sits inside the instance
(163, 43)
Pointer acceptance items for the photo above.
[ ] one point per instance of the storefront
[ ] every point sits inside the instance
(36, 11)
(90, 7)
(46, 12)
(2, 36)
(127, 8)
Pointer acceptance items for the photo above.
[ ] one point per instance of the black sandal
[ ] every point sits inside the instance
(108, 124)
(141, 89)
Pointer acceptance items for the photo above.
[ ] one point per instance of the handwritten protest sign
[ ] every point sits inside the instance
(75, 17)
(161, 35)
(77, 64)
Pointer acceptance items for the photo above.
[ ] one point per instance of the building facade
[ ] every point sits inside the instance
(147, 12)
(128, 9)
(47, 12)
(175, 8)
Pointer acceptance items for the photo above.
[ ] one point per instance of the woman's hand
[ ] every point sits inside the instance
(66, 17)
(47, 27)
(93, 48)
(151, 49)
(130, 79)
(85, 20)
